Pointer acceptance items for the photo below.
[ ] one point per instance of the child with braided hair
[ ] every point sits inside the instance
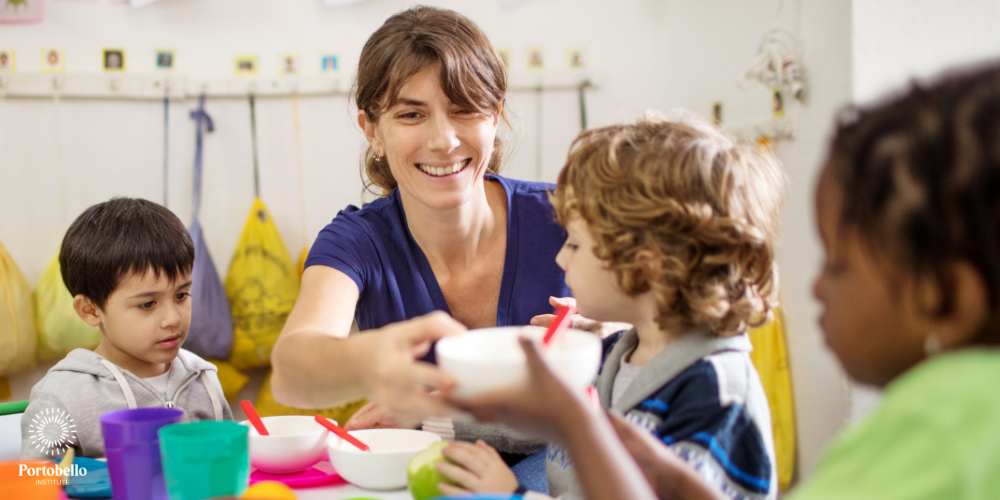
(671, 228)
(908, 208)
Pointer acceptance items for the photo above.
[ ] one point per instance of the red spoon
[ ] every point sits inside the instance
(253, 417)
(341, 432)
(558, 325)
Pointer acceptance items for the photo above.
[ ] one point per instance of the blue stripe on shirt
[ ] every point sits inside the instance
(732, 470)
(654, 404)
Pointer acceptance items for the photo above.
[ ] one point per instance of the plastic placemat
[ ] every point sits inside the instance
(321, 474)
(96, 484)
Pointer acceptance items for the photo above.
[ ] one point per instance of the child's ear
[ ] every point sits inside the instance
(86, 310)
(970, 308)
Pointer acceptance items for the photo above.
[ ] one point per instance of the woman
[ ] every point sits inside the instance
(447, 235)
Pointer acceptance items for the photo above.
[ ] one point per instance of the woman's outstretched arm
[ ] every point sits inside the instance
(316, 364)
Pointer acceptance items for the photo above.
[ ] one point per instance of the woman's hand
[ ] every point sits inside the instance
(372, 416)
(475, 467)
(408, 390)
(578, 322)
(537, 407)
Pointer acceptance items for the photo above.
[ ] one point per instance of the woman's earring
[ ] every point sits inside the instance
(932, 345)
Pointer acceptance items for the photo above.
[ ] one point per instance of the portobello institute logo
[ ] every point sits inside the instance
(52, 431)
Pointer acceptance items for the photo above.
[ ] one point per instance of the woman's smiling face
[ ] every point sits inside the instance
(437, 150)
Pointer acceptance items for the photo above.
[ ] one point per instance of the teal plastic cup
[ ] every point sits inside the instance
(205, 459)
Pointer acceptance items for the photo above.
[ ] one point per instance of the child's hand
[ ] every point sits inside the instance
(372, 416)
(578, 322)
(476, 467)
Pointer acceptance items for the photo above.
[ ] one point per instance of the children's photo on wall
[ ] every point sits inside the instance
(246, 65)
(505, 55)
(21, 11)
(329, 63)
(536, 58)
(114, 60)
(7, 62)
(164, 59)
(576, 58)
(288, 64)
(52, 60)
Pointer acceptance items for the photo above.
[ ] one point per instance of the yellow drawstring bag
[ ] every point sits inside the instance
(770, 357)
(262, 285)
(17, 319)
(231, 379)
(60, 329)
(266, 406)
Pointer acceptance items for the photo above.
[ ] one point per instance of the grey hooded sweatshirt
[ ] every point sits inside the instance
(66, 403)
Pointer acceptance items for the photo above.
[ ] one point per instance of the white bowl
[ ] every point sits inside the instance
(295, 443)
(384, 466)
(490, 358)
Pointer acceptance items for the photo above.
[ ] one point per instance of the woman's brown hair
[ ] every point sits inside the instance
(473, 74)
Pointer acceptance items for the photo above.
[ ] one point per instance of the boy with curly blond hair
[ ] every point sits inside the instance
(672, 228)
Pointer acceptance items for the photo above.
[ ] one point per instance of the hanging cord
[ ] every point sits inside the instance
(583, 104)
(253, 139)
(60, 168)
(298, 161)
(538, 133)
(3, 96)
(203, 124)
(166, 144)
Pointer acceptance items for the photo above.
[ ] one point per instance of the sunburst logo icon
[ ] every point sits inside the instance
(52, 431)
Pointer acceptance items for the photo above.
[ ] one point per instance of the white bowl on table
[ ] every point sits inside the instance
(294, 443)
(488, 359)
(383, 467)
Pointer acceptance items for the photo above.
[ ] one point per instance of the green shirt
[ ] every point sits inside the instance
(936, 435)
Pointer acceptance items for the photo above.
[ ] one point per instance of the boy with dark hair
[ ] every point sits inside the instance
(127, 262)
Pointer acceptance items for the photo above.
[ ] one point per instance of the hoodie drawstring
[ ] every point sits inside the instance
(129, 397)
(205, 379)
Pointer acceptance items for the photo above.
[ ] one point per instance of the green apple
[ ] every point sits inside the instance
(422, 473)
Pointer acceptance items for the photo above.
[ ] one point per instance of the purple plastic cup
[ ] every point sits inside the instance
(132, 446)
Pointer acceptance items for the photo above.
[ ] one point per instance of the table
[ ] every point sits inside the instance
(343, 491)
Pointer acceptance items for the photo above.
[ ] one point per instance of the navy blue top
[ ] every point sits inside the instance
(373, 246)
(689, 415)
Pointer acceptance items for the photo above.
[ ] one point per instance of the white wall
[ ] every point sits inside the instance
(818, 382)
(897, 40)
(648, 53)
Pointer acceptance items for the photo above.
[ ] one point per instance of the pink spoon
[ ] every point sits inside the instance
(341, 432)
(558, 325)
(253, 417)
